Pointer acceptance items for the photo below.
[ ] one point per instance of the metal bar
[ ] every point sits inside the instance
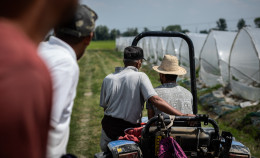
(191, 56)
(149, 124)
(215, 126)
(186, 118)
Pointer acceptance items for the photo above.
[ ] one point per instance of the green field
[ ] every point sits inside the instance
(100, 60)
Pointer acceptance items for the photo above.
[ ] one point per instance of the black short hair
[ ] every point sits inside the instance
(130, 62)
(171, 77)
(133, 53)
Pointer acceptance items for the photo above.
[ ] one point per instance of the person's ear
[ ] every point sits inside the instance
(136, 64)
(88, 39)
(139, 63)
(162, 78)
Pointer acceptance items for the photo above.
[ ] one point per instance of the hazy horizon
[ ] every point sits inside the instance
(194, 15)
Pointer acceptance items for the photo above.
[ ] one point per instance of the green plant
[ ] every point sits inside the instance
(234, 78)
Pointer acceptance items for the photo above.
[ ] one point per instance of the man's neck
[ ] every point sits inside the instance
(79, 49)
(169, 82)
(131, 65)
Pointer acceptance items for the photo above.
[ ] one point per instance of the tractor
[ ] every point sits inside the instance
(198, 136)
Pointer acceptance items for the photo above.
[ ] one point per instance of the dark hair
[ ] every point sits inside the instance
(130, 62)
(171, 77)
(68, 38)
(133, 53)
(14, 8)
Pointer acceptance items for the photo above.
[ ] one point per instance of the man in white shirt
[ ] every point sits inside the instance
(123, 95)
(60, 54)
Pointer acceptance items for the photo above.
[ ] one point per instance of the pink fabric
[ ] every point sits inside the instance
(132, 134)
(169, 148)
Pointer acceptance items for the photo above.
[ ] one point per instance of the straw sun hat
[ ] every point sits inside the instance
(170, 65)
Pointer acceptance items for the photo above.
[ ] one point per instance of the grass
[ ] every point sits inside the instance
(100, 60)
(87, 114)
(102, 45)
(237, 123)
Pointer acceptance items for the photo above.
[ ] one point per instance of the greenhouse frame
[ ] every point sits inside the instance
(214, 58)
(244, 66)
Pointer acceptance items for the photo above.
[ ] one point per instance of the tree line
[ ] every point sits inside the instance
(102, 32)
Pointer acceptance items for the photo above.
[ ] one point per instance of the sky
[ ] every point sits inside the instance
(194, 15)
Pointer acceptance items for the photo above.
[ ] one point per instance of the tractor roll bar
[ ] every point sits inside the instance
(191, 57)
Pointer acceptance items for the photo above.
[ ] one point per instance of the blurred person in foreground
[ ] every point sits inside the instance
(60, 54)
(177, 96)
(25, 83)
(123, 95)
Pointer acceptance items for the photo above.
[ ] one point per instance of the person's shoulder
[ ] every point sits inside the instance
(143, 77)
(184, 90)
(15, 44)
(54, 49)
(159, 87)
(60, 64)
(109, 77)
(19, 57)
(142, 74)
(56, 55)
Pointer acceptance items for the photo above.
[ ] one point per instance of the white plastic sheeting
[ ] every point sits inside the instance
(119, 44)
(198, 41)
(143, 43)
(152, 49)
(161, 48)
(173, 45)
(214, 58)
(245, 64)
(129, 41)
(224, 57)
(123, 42)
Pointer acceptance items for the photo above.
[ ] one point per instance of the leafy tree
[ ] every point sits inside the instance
(185, 31)
(241, 23)
(146, 29)
(176, 28)
(204, 31)
(257, 22)
(221, 24)
(101, 33)
(131, 32)
(114, 33)
(163, 29)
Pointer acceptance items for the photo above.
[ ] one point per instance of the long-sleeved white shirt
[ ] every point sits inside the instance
(61, 60)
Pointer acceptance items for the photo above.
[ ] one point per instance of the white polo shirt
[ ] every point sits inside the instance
(61, 60)
(123, 94)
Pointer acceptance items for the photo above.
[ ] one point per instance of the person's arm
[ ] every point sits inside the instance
(102, 101)
(150, 109)
(165, 107)
(64, 85)
(150, 113)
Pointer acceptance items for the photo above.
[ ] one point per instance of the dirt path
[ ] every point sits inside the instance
(81, 112)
